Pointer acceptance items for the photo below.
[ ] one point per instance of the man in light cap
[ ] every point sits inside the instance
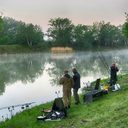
(67, 83)
(76, 86)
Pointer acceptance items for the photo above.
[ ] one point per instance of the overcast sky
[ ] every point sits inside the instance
(78, 11)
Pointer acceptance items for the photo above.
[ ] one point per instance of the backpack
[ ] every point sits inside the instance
(57, 112)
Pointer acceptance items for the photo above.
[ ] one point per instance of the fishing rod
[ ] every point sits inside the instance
(18, 105)
(103, 60)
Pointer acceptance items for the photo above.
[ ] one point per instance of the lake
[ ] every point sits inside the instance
(33, 77)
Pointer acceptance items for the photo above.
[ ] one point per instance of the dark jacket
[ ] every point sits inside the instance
(76, 78)
(113, 73)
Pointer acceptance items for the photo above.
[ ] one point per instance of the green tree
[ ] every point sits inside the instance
(1, 23)
(9, 32)
(82, 37)
(60, 31)
(18, 32)
(125, 26)
(107, 35)
(1, 28)
(29, 35)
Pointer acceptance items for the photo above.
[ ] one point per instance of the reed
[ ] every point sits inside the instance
(61, 49)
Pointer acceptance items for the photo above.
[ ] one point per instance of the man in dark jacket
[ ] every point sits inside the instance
(76, 85)
(113, 74)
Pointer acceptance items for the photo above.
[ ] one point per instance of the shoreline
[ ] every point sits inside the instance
(13, 49)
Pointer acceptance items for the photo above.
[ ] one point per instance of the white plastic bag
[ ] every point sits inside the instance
(116, 87)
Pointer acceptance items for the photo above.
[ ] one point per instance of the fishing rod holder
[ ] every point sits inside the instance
(25, 106)
(57, 93)
(11, 109)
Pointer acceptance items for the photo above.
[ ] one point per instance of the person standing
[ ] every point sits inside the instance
(113, 74)
(67, 83)
(76, 86)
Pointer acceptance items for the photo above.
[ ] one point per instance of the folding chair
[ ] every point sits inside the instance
(88, 97)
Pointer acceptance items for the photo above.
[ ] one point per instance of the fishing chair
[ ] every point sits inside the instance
(57, 112)
(96, 92)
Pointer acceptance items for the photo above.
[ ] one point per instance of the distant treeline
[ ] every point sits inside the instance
(62, 32)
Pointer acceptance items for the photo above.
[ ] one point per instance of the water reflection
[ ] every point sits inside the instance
(24, 68)
(28, 67)
(58, 63)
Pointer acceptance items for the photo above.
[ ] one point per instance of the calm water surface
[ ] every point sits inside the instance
(34, 77)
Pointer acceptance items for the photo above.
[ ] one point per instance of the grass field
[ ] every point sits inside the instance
(109, 111)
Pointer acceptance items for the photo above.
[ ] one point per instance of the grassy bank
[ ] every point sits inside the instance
(109, 111)
(19, 49)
